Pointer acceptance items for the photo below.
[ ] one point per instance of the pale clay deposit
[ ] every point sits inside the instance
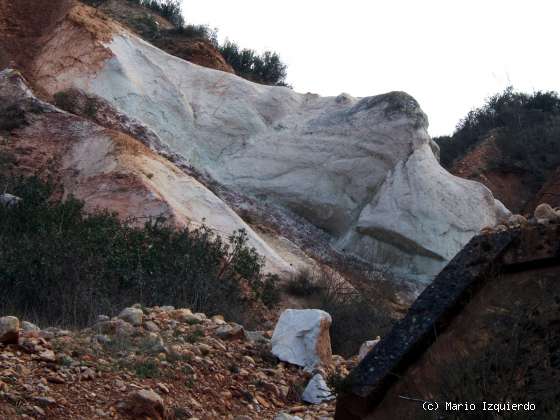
(362, 169)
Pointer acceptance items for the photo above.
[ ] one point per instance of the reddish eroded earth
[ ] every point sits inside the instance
(510, 188)
(193, 366)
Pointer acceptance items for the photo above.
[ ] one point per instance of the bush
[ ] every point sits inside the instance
(302, 285)
(266, 68)
(526, 129)
(199, 31)
(60, 266)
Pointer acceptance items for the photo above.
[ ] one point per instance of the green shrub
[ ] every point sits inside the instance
(60, 266)
(268, 291)
(266, 68)
(526, 128)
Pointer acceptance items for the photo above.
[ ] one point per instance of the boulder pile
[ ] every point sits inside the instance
(164, 363)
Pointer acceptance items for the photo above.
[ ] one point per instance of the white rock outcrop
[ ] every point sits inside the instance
(362, 169)
(317, 391)
(301, 337)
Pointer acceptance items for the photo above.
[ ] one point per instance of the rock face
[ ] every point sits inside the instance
(301, 337)
(361, 169)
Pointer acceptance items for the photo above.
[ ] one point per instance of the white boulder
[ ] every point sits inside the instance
(317, 391)
(301, 337)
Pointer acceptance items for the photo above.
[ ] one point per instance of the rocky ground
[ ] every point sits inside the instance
(156, 363)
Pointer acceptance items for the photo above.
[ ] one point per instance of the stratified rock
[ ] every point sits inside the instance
(317, 391)
(301, 337)
(133, 316)
(9, 329)
(366, 347)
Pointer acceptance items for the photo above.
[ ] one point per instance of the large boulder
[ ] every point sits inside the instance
(301, 337)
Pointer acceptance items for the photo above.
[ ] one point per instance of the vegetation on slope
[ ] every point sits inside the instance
(526, 128)
(266, 68)
(61, 266)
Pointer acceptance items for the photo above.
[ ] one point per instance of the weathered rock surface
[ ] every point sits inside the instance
(361, 169)
(107, 168)
(301, 337)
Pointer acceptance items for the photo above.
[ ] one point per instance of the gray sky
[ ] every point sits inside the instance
(449, 54)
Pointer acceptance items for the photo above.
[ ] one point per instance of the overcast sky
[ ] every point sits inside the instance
(449, 54)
